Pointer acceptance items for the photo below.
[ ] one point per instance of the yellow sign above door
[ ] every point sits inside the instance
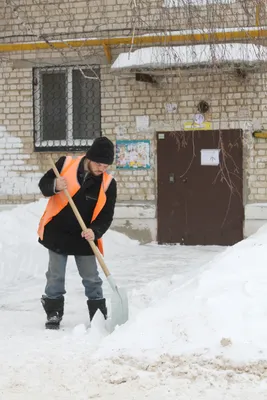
(193, 126)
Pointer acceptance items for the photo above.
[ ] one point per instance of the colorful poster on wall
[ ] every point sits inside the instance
(132, 154)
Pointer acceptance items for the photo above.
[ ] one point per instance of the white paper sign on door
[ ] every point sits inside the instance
(210, 156)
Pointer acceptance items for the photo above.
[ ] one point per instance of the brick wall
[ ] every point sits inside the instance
(235, 103)
(40, 17)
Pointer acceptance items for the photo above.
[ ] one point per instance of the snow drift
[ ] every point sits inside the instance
(198, 322)
(222, 311)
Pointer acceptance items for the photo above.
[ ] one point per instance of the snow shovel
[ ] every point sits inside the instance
(119, 299)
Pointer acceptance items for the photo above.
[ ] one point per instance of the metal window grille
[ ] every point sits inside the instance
(67, 107)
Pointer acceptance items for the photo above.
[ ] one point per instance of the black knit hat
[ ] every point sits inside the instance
(101, 151)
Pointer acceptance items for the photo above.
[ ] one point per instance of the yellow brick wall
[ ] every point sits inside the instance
(236, 103)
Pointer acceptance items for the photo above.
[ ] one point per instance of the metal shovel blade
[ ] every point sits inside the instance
(119, 306)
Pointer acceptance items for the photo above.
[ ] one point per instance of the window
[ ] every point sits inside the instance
(67, 107)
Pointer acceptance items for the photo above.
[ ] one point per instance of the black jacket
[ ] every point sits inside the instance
(63, 233)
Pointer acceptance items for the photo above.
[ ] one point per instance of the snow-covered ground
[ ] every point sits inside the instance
(197, 327)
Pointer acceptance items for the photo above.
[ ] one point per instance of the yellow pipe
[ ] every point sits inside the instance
(191, 38)
(261, 135)
(107, 53)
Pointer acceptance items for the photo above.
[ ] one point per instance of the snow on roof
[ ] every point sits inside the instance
(177, 56)
(207, 30)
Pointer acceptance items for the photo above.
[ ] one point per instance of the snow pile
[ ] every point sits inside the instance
(200, 333)
(22, 257)
(219, 310)
(223, 311)
(177, 56)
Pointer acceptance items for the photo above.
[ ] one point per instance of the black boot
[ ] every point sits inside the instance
(54, 309)
(94, 305)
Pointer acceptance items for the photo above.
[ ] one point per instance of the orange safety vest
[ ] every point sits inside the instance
(59, 200)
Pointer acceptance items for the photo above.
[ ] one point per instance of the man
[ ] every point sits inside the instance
(94, 193)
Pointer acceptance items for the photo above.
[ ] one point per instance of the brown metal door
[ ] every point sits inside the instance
(200, 204)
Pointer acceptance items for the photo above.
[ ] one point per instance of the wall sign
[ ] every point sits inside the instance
(199, 119)
(171, 108)
(210, 157)
(121, 131)
(142, 122)
(132, 154)
(193, 126)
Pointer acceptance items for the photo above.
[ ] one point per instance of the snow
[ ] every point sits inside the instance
(210, 30)
(177, 56)
(12, 179)
(197, 327)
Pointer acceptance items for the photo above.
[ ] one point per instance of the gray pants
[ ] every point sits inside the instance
(87, 267)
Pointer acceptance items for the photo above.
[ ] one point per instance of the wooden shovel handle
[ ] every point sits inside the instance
(82, 224)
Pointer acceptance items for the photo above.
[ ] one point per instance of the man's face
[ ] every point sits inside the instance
(97, 168)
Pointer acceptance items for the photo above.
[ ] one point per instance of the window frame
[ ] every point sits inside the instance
(67, 144)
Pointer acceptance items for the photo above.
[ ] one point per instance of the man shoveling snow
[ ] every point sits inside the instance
(59, 230)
